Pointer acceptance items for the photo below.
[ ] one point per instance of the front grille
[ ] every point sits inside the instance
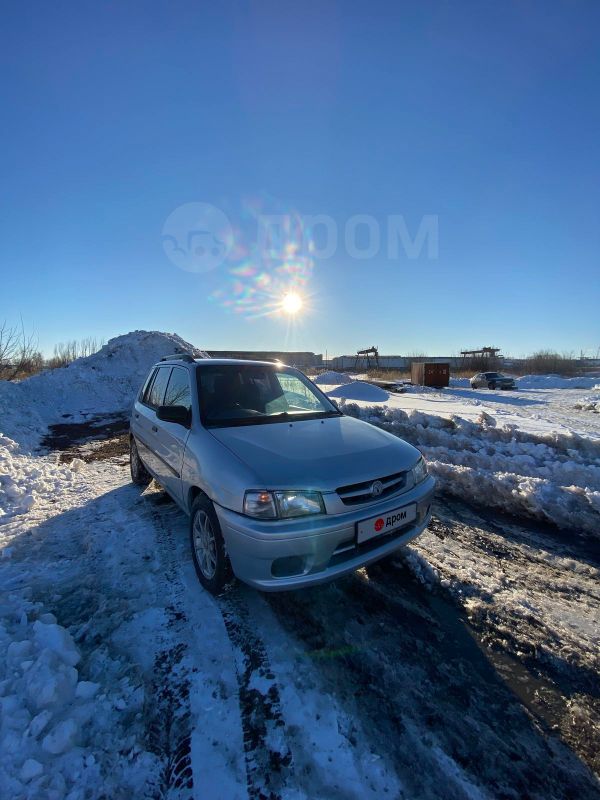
(356, 493)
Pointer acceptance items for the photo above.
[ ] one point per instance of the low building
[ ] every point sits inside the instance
(295, 359)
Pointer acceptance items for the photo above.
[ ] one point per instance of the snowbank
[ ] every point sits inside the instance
(553, 476)
(555, 382)
(331, 378)
(57, 724)
(23, 480)
(358, 390)
(538, 382)
(104, 382)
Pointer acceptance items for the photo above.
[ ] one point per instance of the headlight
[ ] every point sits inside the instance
(285, 505)
(298, 504)
(420, 471)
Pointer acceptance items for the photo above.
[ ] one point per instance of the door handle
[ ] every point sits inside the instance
(154, 429)
(136, 415)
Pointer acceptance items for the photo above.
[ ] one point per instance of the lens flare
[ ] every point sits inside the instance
(270, 265)
(291, 303)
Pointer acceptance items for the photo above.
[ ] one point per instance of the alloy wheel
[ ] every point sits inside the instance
(205, 544)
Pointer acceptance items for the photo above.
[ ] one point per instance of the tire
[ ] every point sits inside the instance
(491, 385)
(139, 474)
(208, 548)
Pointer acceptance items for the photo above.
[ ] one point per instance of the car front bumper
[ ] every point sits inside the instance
(291, 554)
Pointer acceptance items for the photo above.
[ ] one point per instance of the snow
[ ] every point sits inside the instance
(359, 390)
(105, 382)
(538, 382)
(555, 382)
(332, 378)
(103, 625)
(546, 475)
(24, 480)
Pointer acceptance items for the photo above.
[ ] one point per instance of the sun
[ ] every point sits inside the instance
(291, 303)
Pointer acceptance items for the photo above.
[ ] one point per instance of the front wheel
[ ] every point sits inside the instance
(208, 548)
(139, 474)
(491, 385)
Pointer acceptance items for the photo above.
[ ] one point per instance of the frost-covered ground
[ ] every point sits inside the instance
(467, 667)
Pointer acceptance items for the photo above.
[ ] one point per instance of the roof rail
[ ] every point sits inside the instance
(179, 357)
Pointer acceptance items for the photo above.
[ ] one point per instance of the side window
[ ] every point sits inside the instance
(178, 390)
(146, 389)
(157, 390)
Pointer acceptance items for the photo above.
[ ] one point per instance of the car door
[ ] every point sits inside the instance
(171, 437)
(146, 423)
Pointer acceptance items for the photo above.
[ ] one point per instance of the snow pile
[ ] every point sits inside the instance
(331, 378)
(555, 382)
(359, 390)
(48, 715)
(552, 476)
(22, 480)
(104, 382)
(589, 403)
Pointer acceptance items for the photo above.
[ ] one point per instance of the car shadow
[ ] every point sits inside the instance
(403, 662)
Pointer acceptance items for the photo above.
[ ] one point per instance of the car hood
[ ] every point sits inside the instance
(318, 454)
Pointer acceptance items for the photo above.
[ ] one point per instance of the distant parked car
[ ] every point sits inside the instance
(492, 380)
(281, 488)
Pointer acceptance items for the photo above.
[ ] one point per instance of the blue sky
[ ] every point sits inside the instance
(485, 115)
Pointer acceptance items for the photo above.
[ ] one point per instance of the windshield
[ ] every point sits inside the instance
(240, 394)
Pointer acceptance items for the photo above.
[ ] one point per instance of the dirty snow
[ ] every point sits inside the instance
(108, 687)
(105, 382)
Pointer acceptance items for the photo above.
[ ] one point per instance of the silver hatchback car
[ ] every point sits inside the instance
(282, 489)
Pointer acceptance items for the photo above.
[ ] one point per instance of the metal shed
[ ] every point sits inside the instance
(428, 374)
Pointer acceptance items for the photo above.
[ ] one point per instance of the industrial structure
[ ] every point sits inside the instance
(487, 358)
(367, 359)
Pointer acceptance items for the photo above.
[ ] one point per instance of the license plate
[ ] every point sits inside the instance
(385, 523)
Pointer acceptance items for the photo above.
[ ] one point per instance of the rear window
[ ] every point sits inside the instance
(157, 390)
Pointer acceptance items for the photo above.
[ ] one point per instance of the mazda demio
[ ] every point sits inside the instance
(282, 489)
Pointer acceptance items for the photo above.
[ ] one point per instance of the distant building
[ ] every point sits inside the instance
(295, 359)
(393, 362)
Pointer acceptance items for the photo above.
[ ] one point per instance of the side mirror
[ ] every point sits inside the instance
(177, 414)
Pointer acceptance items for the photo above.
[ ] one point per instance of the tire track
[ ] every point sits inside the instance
(169, 729)
(268, 758)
